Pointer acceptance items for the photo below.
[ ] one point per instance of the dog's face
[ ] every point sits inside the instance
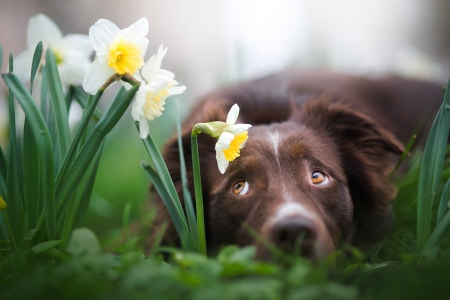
(310, 175)
(288, 186)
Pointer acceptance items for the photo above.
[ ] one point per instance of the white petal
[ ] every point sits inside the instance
(42, 28)
(222, 162)
(143, 128)
(166, 73)
(73, 69)
(224, 141)
(233, 115)
(76, 44)
(102, 33)
(176, 90)
(240, 128)
(135, 31)
(153, 65)
(136, 109)
(22, 65)
(96, 76)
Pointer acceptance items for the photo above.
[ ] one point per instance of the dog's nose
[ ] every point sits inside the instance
(296, 235)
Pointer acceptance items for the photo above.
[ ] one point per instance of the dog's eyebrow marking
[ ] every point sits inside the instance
(291, 209)
(275, 139)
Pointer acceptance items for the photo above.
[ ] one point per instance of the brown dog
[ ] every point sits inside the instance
(316, 163)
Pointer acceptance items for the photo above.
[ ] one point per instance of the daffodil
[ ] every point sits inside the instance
(158, 84)
(72, 52)
(2, 204)
(231, 137)
(117, 51)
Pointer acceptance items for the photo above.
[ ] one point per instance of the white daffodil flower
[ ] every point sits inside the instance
(117, 51)
(232, 137)
(72, 52)
(151, 97)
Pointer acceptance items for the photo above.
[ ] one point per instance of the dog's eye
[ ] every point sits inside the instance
(319, 178)
(240, 188)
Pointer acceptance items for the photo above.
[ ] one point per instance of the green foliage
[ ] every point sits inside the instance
(50, 194)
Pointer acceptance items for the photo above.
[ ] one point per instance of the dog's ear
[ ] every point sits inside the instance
(368, 154)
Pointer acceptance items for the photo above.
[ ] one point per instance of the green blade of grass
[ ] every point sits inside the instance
(58, 103)
(404, 155)
(158, 239)
(198, 194)
(84, 103)
(15, 211)
(126, 221)
(87, 192)
(445, 197)
(431, 169)
(76, 172)
(182, 229)
(44, 146)
(35, 64)
(190, 212)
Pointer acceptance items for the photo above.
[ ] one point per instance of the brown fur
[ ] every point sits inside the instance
(344, 126)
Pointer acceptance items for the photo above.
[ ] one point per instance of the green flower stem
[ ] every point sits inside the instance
(188, 205)
(10, 230)
(198, 193)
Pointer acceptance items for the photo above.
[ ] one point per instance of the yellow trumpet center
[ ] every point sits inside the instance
(154, 103)
(125, 57)
(58, 57)
(235, 146)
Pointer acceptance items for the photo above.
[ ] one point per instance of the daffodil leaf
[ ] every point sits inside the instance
(35, 64)
(3, 184)
(44, 96)
(443, 202)
(44, 146)
(81, 98)
(32, 197)
(439, 232)
(3, 174)
(58, 104)
(69, 183)
(87, 192)
(175, 214)
(15, 208)
(68, 98)
(431, 169)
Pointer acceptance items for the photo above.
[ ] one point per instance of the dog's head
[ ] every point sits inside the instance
(313, 173)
